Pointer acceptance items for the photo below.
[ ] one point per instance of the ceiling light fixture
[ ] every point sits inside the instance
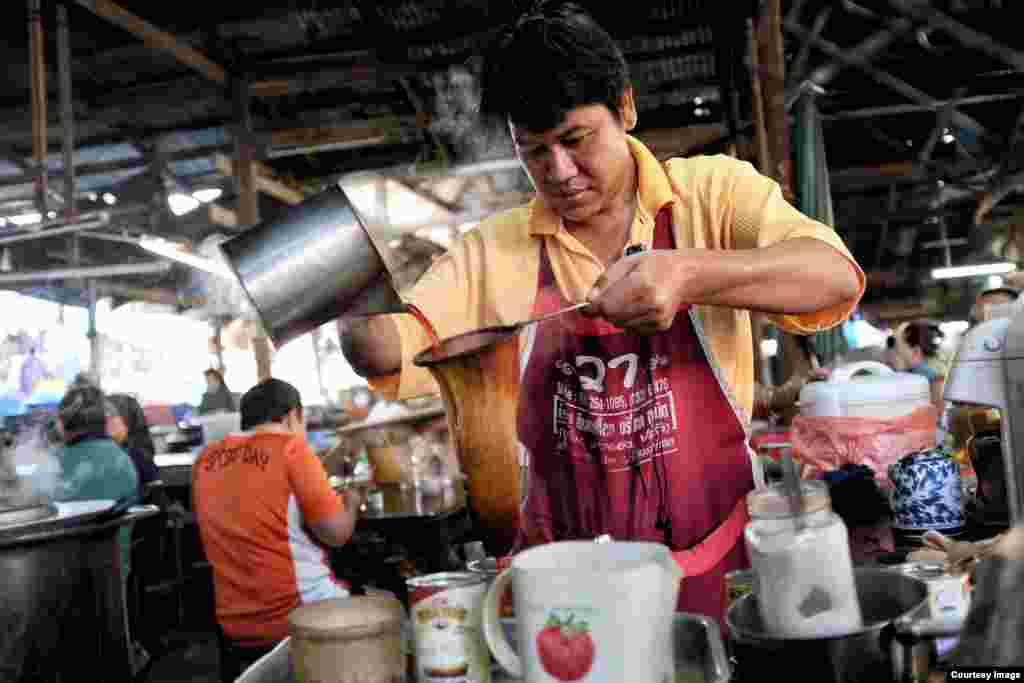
(109, 199)
(208, 195)
(975, 270)
(180, 204)
(21, 220)
(174, 251)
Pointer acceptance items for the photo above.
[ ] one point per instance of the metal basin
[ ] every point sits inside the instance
(866, 655)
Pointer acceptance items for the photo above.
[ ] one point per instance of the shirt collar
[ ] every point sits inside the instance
(654, 192)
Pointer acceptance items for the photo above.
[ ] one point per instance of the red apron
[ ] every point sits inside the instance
(632, 436)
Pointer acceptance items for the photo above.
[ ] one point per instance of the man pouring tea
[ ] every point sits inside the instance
(633, 412)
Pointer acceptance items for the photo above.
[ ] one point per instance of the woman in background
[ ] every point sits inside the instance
(917, 350)
(217, 398)
(128, 428)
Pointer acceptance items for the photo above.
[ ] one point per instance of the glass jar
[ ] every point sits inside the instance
(805, 581)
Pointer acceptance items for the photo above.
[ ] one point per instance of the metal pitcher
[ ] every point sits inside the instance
(314, 264)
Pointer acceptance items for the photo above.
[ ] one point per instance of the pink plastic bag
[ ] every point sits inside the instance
(824, 444)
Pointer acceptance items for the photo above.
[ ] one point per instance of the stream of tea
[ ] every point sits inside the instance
(435, 342)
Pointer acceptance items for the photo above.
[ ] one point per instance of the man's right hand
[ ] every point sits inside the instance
(371, 345)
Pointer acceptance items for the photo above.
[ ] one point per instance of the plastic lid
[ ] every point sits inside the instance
(346, 618)
(894, 386)
(772, 502)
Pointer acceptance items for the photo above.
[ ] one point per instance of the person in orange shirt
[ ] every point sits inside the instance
(265, 510)
(635, 415)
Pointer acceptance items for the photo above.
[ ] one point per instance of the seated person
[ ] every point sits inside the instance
(129, 429)
(93, 467)
(917, 352)
(262, 503)
(990, 303)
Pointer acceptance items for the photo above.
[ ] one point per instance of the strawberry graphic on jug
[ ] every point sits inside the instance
(565, 648)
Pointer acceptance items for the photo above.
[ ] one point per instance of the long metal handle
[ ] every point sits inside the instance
(555, 314)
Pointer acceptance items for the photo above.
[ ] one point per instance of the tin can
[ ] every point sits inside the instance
(948, 596)
(446, 617)
(738, 583)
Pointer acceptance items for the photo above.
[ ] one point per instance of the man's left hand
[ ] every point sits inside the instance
(643, 292)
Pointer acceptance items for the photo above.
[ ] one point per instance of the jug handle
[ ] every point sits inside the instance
(846, 372)
(494, 634)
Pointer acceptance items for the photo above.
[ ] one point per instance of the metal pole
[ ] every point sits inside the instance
(94, 337)
(67, 112)
(37, 48)
(53, 232)
(888, 80)
(964, 34)
(146, 268)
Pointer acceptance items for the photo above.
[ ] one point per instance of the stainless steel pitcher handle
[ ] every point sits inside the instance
(920, 624)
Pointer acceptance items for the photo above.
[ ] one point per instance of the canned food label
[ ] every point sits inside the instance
(450, 646)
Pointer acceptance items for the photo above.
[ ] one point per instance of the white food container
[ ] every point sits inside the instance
(882, 393)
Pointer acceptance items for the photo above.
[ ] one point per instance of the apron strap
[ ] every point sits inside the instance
(704, 556)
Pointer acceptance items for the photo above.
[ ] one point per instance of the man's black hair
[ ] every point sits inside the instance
(554, 58)
(83, 410)
(269, 401)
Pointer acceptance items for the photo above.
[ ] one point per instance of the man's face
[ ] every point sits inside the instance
(583, 165)
(983, 307)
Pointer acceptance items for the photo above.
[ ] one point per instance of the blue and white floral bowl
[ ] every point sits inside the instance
(927, 492)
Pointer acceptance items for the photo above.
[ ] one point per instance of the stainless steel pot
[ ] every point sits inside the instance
(889, 602)
(63, 594)
(316, 263)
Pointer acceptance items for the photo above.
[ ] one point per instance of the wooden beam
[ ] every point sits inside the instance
(324, 135)
(154, 37)
(679, 141)
(264, 181)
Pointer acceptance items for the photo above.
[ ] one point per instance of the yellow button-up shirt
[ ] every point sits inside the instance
(489, 277)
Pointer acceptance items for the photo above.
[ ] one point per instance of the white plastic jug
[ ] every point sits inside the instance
(599, 611)
(880, 393)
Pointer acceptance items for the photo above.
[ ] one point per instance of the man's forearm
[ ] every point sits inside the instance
(797, 276)
(372, 346)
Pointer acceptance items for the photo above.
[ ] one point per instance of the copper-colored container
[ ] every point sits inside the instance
(478, 373)
(348, 640)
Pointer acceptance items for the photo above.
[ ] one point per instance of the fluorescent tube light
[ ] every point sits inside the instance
(973, 270)
(174, 252)
(21, 220)
(180, 204)
(208, 194)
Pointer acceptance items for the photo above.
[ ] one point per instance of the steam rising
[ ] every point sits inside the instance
(457, 119)
(30, 473)
(224, 298)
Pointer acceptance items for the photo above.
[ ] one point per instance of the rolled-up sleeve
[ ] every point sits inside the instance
(444, 296)
(757, 215)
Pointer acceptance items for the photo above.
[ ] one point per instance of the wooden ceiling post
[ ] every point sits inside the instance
(154, 37)
(768, 54)
(244, 168)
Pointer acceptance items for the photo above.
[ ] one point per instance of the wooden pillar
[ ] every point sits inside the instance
(248, 201)
(245, 158)
(215, 345)
(318, 360)
(772, 62)
(769, 74)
